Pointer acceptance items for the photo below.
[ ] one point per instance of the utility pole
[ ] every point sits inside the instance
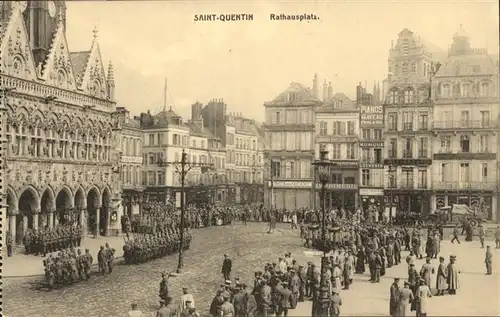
(183, 167)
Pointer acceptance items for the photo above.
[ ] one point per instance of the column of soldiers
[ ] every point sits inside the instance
(71, 265)
(44, 240)
(147, 247)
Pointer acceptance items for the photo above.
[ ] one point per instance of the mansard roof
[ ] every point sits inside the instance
(477, 63)
(304, 95)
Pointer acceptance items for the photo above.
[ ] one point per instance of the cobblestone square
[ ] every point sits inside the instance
(249, 247)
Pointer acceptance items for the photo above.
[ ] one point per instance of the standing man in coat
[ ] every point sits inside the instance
(497, 237)
(488, 260)
(294, 286)
(227, 266)
(426, 271)
(452, 274)
(335, 303)
(441, 278)
(394, 300)
(405, 301)
(302, 274)
(423, 295)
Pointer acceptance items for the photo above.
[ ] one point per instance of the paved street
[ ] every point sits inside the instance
(249, 247)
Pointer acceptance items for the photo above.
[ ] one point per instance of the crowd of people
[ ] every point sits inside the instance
(44, 240)
(70, 265)
(157, 216)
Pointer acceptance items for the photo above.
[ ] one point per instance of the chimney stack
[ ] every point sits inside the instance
(325, 90)
(330, 91)
(315, 86)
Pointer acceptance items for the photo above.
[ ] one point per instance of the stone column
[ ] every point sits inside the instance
(25, 224)
(12, 227)
(35, 221)
(98, 220)
(50, 218)
(83, 220)
(55, 218)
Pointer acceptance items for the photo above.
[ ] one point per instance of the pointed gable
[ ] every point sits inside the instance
(16, 58)
(296, 92)
(94, 77)
(58, 69)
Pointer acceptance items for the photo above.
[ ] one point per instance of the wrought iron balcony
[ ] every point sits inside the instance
(407, 154)
(464, 125)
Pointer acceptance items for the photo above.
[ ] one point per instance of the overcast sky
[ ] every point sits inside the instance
(249, 62)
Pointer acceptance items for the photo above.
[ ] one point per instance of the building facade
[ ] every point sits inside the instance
(337, 130)
(61, 128)
(466, 104)
(290, 132)
(371, 145)
(247, 159)
(408, 130)
(131, 160)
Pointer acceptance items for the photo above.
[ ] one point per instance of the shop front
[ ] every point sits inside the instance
(289, 195)
(339, 196)
(487, 200)
(372, 203)
(408, 201)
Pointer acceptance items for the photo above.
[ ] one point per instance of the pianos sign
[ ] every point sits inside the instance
(371, 116)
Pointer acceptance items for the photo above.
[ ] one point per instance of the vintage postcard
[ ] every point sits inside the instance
(250, 158)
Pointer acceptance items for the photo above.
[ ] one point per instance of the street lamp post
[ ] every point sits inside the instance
(322, 302)
(391, 180)
(183, 167)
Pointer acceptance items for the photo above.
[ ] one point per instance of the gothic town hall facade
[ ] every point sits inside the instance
(60, 159)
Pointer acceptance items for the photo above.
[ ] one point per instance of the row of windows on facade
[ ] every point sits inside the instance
(241, 143)
(291, 141)
(291, 169)
(403, 68)
(290, 116)
(131, 146)
(177, 140)
(467, 172)
(47, 143)
(155, 178)
(131, 175)
(464, 90)
(375, 178)
(243, 159)
(337, 151)
(155, 158)
(445, 145)
(446, 121)
(338, 128)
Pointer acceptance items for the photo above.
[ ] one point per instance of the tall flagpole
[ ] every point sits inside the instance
(165, 96)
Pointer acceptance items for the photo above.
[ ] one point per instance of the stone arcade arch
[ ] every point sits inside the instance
(28, 207)
(64, 206)
(11, 216)
(93, 206)
(47, 208)
(80, 207)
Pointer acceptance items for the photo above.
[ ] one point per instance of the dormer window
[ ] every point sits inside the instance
(337, 104)
(293, 96)
(446, 90)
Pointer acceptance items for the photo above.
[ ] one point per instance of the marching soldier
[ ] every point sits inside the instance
(110, 257)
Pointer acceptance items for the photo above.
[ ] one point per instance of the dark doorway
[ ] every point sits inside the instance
(63, 204)
(92, 205)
